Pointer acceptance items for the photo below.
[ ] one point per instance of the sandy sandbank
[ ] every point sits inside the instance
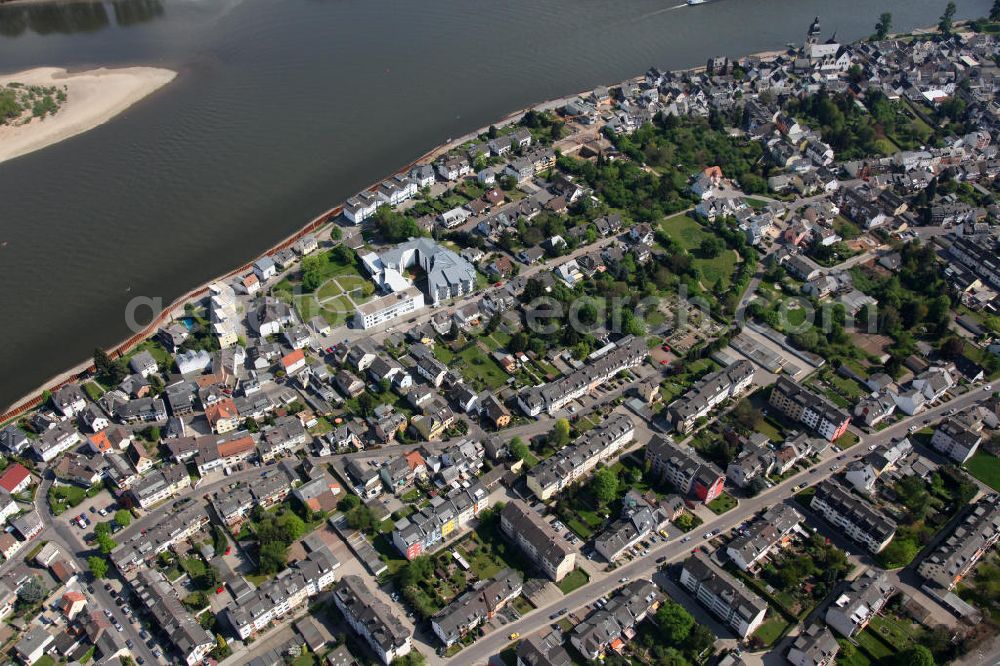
(92, 98)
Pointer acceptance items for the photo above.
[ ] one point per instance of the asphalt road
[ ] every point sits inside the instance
(62, 534)
(479, 652)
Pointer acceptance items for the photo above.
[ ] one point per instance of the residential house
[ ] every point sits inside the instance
(684, 471)
(476, 606)
(576, 461)
(726, 598)
(856, 518)
(159, 485)
(320, 494)
(539, 542)
(372, 619)
(69, 400)
(800, 404)
(954, 557)
(184, 633)
(629, 353)
(282, 596)
(143, 363)
(774, 528)
(265, 269)
(640, 518)
(956, 440)
(615, 623)
(222, 416)
(862, 599)
(814, 646)
(707, 392)
(15, 478)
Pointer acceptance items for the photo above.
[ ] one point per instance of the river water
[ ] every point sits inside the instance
(283, 109)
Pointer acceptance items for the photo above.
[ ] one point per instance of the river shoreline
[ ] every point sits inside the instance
(93, 98)
(317, 224)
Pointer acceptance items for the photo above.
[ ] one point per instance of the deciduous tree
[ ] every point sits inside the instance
(883, 25)
(674, 621)
(98, 566)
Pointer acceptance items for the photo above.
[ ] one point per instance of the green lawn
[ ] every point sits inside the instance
(257, 579)
(92, 390)
(982, 357)
(479, 368)
(846, 387)
(986, 468)
(722, 503)
(341, 306)
(443, 353)
(349, 282)
(689, 235)
(847, 229)
(579, 528)
(576, 579)
(846, 441)
(900, 632)
(156, 350)
(522, 605)
(335, 311)
(390, 555)
(65, 497)
(873, 646)
(685, 230)
(850, 655)
(771, 630)
(329, 290)
(721, 267)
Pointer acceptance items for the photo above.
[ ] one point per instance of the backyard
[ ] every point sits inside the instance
(769, 632)
(985, 467)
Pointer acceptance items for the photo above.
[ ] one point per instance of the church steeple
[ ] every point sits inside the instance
(814, 30)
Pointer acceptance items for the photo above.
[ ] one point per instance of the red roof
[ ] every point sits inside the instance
(236, 446)
(100, 441)
(293, 358)
(12, 476)
(223, 409)
(414, 460)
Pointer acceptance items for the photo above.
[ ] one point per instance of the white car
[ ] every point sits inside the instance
(988, 388)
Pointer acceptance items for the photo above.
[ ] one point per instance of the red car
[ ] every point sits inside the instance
(229, 549)
(220, 589)
(665, 348)
(664, 362)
